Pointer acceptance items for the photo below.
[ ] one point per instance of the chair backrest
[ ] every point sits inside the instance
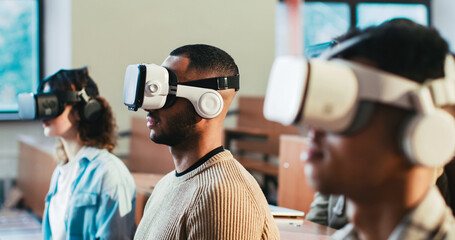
(145, 155)
(250, 116)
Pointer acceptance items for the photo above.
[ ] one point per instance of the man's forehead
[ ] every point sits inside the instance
(176, 63)
(179, 65)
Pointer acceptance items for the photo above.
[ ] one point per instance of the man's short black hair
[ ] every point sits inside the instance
(208, 58)
(402, 47)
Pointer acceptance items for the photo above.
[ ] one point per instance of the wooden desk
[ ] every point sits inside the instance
(290, 228)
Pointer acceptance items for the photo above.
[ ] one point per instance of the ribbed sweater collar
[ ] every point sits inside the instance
(200, 161)
(224, 154)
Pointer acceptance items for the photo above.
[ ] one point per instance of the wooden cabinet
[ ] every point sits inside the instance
(293, 189)
(36, 165)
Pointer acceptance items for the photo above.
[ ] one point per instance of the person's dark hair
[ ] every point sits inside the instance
(98, 133)
(208, 58)
(402, 47)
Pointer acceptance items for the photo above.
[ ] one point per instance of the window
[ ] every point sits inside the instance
(367, 13)
(324, 20)
(19, 52)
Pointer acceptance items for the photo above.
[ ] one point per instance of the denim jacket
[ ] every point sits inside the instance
(102, 201)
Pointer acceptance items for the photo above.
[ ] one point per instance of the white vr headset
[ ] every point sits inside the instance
(44, 106)
(150, 86)
(328, 95)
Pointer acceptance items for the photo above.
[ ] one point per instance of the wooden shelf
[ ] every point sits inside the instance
(258, 166)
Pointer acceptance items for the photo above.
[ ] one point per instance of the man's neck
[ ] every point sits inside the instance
(189, 152)
(377, 215)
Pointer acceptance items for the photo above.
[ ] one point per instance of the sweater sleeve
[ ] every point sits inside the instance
(226, 212)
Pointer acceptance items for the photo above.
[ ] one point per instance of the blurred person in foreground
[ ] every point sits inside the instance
(376, 129)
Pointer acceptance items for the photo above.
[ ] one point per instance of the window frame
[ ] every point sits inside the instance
(353, 6)
(13, 115)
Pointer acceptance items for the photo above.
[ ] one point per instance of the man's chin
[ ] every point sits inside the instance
(323, 187)
(162, 140)
(319, 184)
(155, 138)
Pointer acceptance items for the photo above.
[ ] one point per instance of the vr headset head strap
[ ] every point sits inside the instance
(67, 96)
(216, 83)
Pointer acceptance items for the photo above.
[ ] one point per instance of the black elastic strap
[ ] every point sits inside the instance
(216, 83)
(67, 96)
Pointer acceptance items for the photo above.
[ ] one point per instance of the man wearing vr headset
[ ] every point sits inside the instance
(209, 195)
(330, 210)
(378, 159)
(92, 193)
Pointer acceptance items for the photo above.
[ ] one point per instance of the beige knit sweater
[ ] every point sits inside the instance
(217, 200)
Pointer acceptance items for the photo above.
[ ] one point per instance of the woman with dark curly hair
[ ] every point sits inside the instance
(92, 193)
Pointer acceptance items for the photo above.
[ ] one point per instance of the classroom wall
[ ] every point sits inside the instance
(106, 36)
(109, 35)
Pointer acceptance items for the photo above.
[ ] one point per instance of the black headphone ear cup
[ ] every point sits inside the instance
(91, 110)
(429, 139)
(209, 105)
(364, 112)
